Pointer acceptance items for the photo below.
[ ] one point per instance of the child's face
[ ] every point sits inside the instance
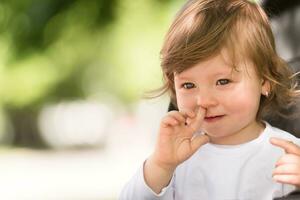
(231, 98)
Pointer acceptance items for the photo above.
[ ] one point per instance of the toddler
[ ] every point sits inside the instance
(223, 73)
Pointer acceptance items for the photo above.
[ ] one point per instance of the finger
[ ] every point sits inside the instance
(169, 121)
(287, 179)
(288, 146)
(188, 121)
(189, 115)
(197, 121)
(198, 141)
(178, 116)
(288, 159)
(287, 169)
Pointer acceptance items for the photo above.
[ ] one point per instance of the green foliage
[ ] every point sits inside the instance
(52, 50)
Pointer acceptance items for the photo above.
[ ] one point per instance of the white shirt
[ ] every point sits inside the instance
(222, 172)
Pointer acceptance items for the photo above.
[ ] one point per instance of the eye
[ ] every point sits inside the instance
(223, 82)
(188, 85)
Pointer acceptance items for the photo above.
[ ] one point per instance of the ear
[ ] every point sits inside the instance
(265, 87)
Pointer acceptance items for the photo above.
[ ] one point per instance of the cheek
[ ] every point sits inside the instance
(185, 101)
(246, 102)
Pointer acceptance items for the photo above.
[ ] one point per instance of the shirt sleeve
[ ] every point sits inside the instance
(137, 188)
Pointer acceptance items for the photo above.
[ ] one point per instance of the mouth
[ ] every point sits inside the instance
(213, 118)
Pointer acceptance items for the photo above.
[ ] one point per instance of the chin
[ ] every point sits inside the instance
(217, 134)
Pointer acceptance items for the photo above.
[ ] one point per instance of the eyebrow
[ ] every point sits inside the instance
(227, 72)
(214, 74)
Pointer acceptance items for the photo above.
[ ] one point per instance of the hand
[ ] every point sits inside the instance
(176, 140)
(287, 168)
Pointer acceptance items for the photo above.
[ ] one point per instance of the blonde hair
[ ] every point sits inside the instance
(203, 27)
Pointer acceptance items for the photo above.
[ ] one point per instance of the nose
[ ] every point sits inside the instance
(206, 99)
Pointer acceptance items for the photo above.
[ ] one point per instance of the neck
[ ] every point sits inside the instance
(247, 134)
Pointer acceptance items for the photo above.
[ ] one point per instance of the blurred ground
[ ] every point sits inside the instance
(90, 174)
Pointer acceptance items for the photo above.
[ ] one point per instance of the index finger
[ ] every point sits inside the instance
(288, 146)
(197, 122)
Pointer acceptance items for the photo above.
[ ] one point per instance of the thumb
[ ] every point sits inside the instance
(197, 141)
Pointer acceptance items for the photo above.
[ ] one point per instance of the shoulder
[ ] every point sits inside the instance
(276, 132)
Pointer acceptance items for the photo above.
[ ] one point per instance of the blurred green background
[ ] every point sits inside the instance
(72, 74)
(53, 51)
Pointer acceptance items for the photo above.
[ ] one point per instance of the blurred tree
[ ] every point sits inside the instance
(30, 78)
(52, 50)
(28, 20)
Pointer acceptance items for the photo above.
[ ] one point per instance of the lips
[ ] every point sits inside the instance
(213, 118)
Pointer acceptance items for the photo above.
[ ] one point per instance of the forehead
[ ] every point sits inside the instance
(218, 64)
